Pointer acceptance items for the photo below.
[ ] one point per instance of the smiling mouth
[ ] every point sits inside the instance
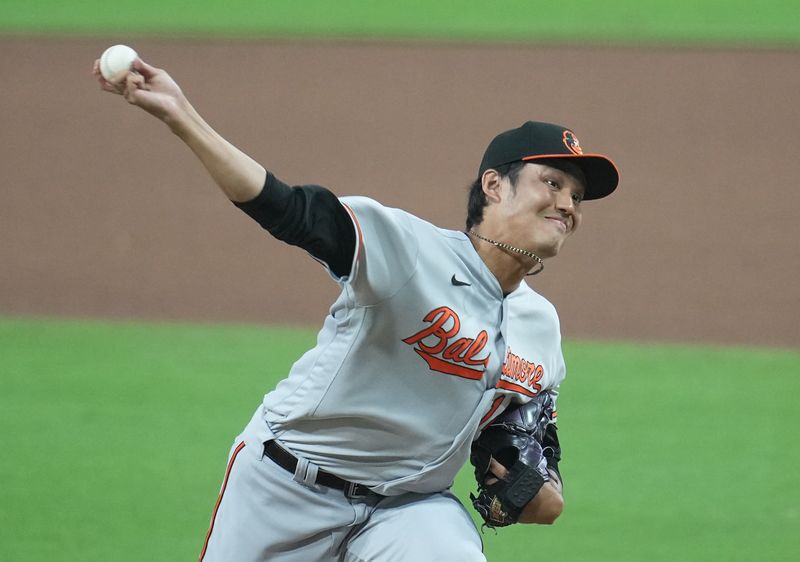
(560, 222)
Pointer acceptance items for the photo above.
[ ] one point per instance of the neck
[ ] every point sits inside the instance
(508, 263)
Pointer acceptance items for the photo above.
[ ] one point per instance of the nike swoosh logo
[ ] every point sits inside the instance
(458, 283)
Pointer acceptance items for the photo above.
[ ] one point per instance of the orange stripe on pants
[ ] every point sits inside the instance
(236, 451)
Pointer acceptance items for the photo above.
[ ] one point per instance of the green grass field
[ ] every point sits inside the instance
(115, 439)
(771, 22)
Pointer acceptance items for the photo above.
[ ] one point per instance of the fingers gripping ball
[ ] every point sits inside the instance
(116, 62)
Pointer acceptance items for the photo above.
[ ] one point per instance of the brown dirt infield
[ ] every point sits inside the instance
(104, 214)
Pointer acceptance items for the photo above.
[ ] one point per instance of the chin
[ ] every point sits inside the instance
(550, 248)
(547, 255)
(547, 251)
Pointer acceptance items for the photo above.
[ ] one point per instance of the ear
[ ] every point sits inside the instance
(491, 183)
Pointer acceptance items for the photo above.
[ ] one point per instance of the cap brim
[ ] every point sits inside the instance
(601, 174)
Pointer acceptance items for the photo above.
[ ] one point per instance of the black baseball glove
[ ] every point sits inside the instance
(515, 439)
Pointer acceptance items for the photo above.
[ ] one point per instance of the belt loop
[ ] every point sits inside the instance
(306, 472)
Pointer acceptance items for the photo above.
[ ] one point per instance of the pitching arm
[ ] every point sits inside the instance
(310, 217)
(238, 176)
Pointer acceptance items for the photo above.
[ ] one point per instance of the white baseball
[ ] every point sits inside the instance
(116, 61)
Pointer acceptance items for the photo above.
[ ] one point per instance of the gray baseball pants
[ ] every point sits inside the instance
(263, 514)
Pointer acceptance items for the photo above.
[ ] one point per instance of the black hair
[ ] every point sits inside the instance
(477, 198)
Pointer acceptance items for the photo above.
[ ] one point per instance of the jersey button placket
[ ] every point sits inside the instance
(500, 344)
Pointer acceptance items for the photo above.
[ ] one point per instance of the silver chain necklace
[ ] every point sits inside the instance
(537, 259)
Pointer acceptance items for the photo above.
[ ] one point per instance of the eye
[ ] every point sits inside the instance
(552, 183)
(577, 197)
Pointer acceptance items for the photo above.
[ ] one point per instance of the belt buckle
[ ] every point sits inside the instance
(355, 491)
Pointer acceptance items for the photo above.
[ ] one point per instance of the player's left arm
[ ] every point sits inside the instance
(516, 464)
(546, 505)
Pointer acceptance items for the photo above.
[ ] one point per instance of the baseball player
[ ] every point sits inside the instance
(435, 352)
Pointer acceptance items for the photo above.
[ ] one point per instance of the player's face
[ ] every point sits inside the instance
(544, 208)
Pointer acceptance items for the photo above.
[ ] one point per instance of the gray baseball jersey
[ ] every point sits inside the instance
(419, 351)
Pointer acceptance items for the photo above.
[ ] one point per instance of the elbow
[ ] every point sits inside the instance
(551, 510)
(544, 509)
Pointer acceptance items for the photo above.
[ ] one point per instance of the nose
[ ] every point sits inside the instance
(564, 201)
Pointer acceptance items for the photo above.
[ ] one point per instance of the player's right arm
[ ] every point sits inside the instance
(310, 217)
(240, 177)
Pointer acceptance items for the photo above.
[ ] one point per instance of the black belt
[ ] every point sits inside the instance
(288, 461)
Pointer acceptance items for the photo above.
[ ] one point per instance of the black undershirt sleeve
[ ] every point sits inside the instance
(308, 216)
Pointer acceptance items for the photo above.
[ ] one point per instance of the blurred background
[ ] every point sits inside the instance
(142, 317)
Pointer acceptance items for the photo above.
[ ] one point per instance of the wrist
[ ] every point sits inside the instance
(183, 119)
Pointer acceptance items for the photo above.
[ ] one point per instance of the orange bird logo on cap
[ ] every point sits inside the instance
(571, 142)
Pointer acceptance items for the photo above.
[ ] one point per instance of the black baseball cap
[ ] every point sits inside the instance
(535, 140)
